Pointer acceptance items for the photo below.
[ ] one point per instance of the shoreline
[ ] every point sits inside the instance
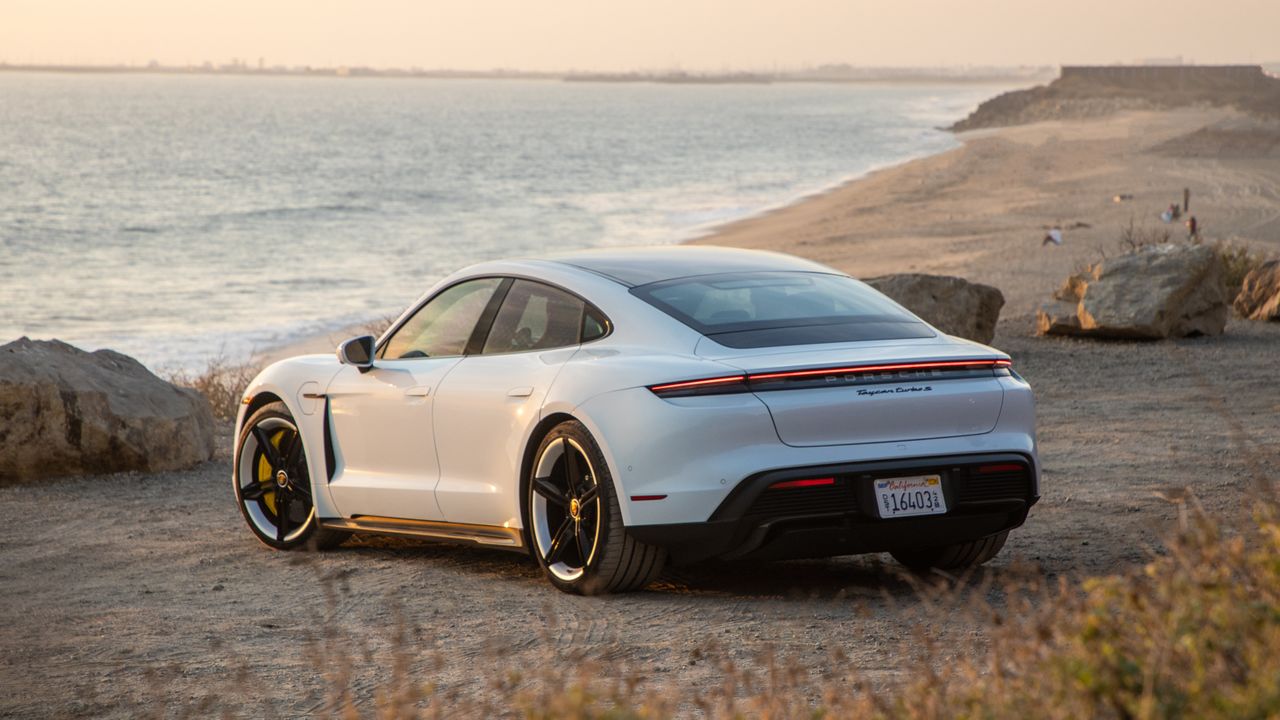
(327, 341)
(979, 210)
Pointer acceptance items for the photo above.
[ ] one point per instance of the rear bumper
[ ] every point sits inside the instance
(985, 495)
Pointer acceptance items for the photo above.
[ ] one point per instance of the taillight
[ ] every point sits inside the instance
(807, 376)
(1001, 468)
(807, 482)
(704, 386)
(890, 367)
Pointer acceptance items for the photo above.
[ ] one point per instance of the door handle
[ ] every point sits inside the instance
(418, 391)
(520, 392)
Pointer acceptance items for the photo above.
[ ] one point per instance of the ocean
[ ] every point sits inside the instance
(178, 218)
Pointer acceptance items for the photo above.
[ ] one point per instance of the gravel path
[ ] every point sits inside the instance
(129, 594)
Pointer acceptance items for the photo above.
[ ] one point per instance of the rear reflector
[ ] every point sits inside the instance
(643, 498)
(810, 482)
(743, 383)
(1002, 468)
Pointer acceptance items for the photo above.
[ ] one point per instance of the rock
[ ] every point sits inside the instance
(953, 305)
(1158, 292)
(1259, 297)
(64, 411)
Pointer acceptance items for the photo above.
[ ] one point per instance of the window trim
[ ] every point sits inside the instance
(487, 318)
(587, 305)
(381, 347)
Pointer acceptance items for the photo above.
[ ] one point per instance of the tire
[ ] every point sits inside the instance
(574, 521)
(952, 557)
(262, 479)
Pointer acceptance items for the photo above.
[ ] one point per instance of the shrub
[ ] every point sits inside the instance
(1238, 260)
(222, 382)
(1194, 633)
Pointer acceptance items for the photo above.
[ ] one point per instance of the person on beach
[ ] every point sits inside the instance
(1053, 236)
(1193, 229)
(1186, 199)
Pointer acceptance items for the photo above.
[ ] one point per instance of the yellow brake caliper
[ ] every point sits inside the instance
(266, 477)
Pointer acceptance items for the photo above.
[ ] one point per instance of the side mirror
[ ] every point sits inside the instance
(357, 351)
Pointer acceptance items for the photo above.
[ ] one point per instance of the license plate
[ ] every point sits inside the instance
(909, 496)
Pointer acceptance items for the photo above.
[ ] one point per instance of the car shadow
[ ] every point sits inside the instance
(873, 577)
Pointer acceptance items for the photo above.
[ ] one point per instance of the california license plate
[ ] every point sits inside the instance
(909, 496)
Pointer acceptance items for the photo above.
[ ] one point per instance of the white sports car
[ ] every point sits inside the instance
(612, 411)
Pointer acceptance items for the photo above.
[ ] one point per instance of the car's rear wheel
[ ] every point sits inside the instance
(273, 485)
(575, 522)
(952, 557)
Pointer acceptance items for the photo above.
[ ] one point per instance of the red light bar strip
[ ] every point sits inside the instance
(811, 482)
(689, 384)
(1007, 467)
(644, 498)
(880, 368)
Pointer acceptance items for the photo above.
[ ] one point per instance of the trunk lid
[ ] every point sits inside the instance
(887, 392)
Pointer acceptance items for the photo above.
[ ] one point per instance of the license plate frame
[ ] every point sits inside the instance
(909, 496)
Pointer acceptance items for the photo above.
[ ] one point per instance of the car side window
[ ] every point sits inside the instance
(443, 326)
(594, 325)
(535, 317)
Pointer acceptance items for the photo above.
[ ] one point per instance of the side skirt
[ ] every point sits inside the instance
(503, 537)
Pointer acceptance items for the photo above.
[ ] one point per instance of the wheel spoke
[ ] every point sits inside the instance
(282, 514)
(255, 491)
(589, 495)
(584, 550)
(571, 468)
(548, 490)
(293, 452)
(269, 450)
(300, 486)
(558, 542)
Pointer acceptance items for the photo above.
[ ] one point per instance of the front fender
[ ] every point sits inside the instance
(291, 381)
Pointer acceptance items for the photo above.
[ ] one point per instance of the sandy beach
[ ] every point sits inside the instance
(125, 593)
(981, 210)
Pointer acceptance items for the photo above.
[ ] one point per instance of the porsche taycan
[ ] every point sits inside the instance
(611, 412)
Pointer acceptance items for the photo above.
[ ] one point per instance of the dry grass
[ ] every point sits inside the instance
(222, 382)
(1194, 633)
(1238, 260)
(1135, 237)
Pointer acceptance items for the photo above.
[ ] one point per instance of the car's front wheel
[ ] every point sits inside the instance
(952, 557)
(273, 484)
(575, 522)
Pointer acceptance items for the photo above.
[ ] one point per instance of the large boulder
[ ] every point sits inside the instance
(1259, 297)
(64, 411)
(1159, 291)
(953, 305)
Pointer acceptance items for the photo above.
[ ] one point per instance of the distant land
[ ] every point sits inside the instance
(1092, 91)
(824, 73)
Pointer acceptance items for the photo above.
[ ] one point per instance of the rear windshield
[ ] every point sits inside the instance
(767, 309)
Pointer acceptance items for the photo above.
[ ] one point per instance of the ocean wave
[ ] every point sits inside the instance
(291, 212)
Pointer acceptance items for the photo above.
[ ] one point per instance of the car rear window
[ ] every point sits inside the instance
(768, 309)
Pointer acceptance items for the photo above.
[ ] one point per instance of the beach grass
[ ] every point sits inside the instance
(1192, 633)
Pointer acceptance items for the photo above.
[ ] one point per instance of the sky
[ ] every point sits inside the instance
(694, 35)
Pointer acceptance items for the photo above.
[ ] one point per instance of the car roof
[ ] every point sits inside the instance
(641, 266)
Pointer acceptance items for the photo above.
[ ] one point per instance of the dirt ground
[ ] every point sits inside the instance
(127, 594)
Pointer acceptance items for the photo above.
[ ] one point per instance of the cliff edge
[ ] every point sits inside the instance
(1094, 91)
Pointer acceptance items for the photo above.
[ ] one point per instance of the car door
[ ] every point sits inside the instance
(490, 402)
(381, 420)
